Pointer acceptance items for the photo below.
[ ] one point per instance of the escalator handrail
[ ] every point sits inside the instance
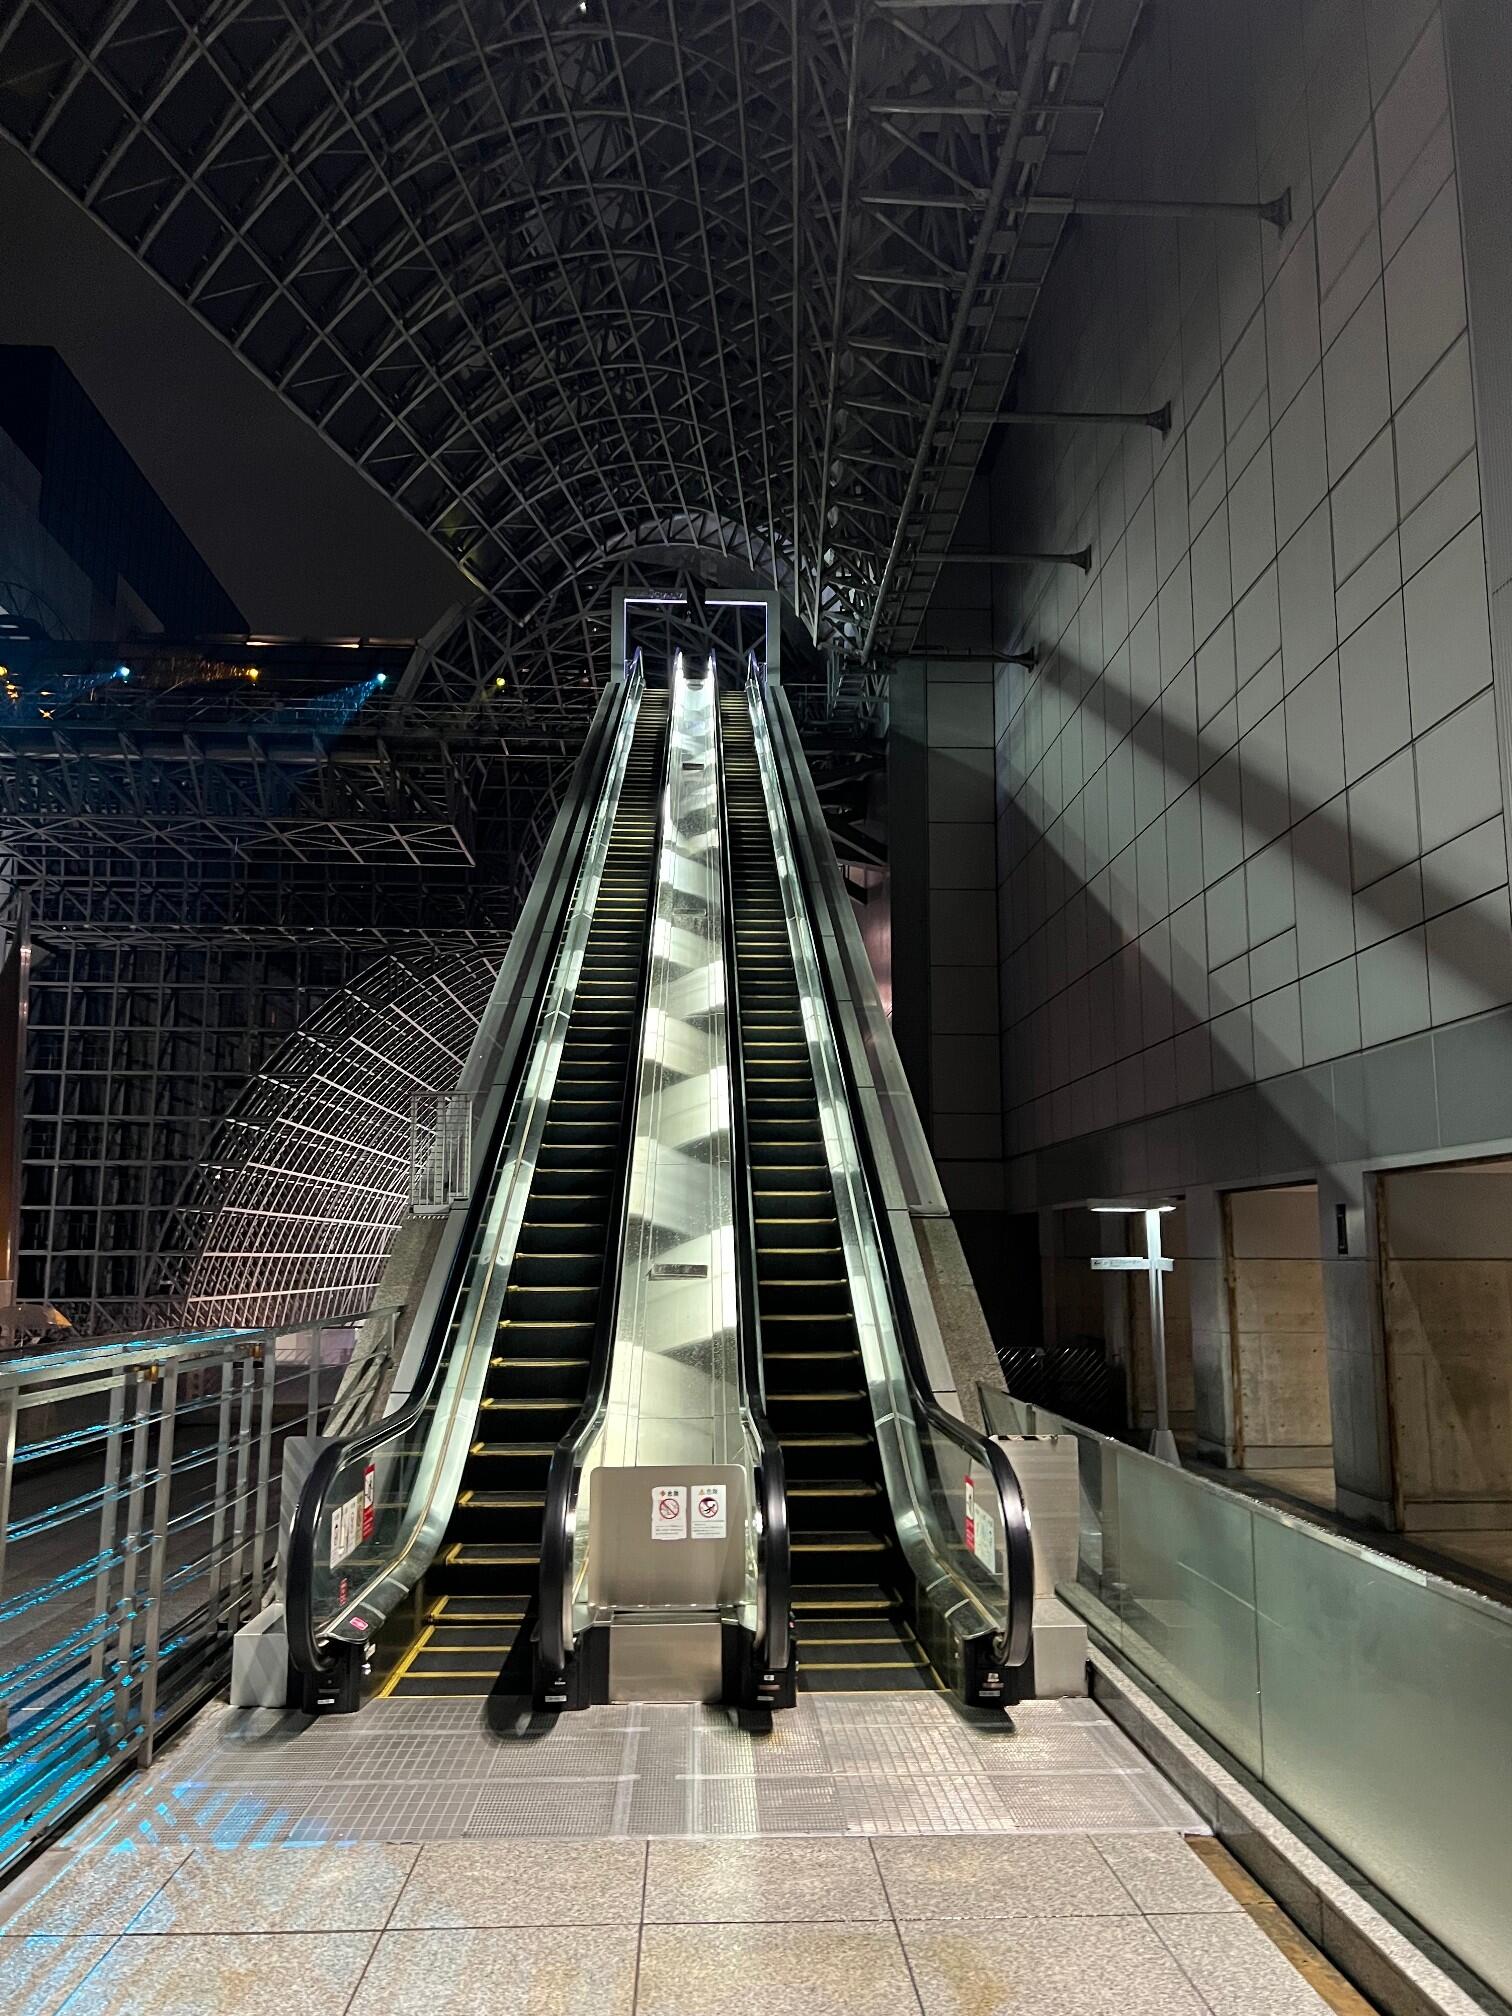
(299, 1590)
(775, 1570)
(1016, 1638)
(561, 1477)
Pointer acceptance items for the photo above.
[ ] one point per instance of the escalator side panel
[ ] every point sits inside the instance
(479, 1587)
(850, 1617)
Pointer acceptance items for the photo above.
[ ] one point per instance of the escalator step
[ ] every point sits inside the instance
(475, 1610)
(461, 1555)
(845, 1598)
(831, 1541)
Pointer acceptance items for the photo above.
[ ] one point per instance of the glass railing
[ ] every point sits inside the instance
(375, 1506)
(1369, 1696)
(140, 1487)
(955, 1502)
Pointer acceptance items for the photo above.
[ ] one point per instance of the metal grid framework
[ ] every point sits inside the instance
(409, 786)
(631, 290)
(135, 1052)
(307, 1180)
(582, 286)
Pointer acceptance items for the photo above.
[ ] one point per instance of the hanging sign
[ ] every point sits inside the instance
(669, 1512)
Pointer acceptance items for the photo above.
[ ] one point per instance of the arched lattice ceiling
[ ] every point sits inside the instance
(569, 281)
(308, 1181)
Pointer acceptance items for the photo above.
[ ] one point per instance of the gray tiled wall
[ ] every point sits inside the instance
(943, 709)
(1249, 802)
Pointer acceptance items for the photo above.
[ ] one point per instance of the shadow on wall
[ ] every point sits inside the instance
(1220, 978)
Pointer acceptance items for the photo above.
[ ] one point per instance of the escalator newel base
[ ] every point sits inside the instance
(584, 1684)
(335, 1692)
(749, 1684)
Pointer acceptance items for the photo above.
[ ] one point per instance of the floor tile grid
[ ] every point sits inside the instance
(269, 1948)
(1127, 1956)
(154, 1953)
(1135, 1962)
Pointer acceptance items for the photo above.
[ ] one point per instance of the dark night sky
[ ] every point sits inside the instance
(302, 543)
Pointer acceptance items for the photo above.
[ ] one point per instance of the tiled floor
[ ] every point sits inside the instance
(873, 1855)
(1037, 1925)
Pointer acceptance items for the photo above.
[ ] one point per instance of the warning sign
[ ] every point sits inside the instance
(369, 1501)
(985, 1545)
(981, 1535)
(346, 1529)
(669, 1512)
(708, 1517)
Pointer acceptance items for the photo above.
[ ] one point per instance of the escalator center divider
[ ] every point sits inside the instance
(848, 1571)
(484, 1577)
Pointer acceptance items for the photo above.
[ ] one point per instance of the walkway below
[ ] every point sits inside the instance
(1479, 1558)
(875, 1854)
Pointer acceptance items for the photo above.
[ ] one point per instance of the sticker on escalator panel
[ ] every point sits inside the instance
(708, 1521)
(981, 1540)
(669, 1512)
(346, 1529)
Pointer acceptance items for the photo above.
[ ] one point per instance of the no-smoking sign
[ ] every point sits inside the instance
(669, 1512)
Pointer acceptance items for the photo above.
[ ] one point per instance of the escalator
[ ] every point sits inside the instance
(850, 1617)
(478, 1588)
(602, 1344)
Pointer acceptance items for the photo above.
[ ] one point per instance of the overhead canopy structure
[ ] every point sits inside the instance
(601, 280)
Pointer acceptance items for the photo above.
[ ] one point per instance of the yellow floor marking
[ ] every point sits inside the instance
(1320, 1975)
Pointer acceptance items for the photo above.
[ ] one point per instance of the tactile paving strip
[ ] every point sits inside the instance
(836, 1764)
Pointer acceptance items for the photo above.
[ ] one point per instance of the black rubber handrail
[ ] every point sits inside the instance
(776, 1567)
(305, 1650)
(1017, 1637)
(561, 1477)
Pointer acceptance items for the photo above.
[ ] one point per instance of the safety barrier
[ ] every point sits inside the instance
(1367, 1695)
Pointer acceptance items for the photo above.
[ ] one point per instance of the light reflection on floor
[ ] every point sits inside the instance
(836, 1765)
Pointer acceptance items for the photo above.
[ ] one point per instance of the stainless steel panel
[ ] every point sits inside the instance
(666, 1659)
(629, 1565)
(675, 1394)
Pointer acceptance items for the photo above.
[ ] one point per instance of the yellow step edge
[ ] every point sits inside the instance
(861, 1666)
(404, 1664)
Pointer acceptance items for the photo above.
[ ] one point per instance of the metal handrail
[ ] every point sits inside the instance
(305, 1650)
(774, 1639)
(1013, 1643)
(111, 1354)
(562, 1477)
(173, 1525)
